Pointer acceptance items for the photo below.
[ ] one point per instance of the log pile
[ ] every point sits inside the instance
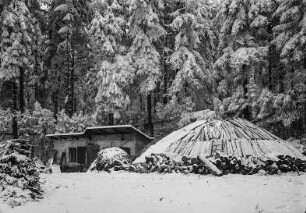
(250, 165)
(161, 163)
(19, 177)
(218, 165)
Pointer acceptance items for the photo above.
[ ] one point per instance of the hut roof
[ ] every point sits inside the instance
(100, 130)
(235, 137)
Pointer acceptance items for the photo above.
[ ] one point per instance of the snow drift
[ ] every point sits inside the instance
(110, 158)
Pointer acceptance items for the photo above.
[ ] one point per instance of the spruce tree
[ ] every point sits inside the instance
(114, 74)
(290, 42)
(243, 50)
(146, 31)
(18, 31)
(193, 55)
(67, 20)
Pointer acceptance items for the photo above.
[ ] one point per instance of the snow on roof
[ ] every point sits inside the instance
(100, 130)
(232, 137)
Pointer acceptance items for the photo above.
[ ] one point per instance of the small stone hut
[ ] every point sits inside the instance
(231, 137)
(80, 149)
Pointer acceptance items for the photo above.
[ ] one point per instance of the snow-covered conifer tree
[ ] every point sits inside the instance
(108, 30)
(290, 42)
(243, 49)
(195, 41)
(146, 31)
(19, 29)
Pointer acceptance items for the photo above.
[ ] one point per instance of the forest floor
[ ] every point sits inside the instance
(129, 192)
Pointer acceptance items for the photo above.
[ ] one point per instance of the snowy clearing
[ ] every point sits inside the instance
(129, 192)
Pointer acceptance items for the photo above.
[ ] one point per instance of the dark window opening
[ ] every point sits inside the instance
(128, 150)
(72, 155)
(77, 155)
(81, 155)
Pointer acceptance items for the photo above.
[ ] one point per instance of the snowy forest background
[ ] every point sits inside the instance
(69, 64)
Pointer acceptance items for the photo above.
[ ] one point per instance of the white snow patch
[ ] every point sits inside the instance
(150, 193)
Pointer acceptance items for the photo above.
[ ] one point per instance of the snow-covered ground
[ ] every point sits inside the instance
(146, 193)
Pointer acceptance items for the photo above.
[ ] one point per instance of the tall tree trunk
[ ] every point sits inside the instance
(14, 121)
(67, 75)
(69, 106)
(290, 77)
(305, 96)
(270, 69)
(156, 96)
(55, 101)
(74, 103)
(149, 111)
(73, 107)
(67, 89)
(15, 127)
(271, 52)
(281, 80)
(168, 44)
(36, 98)
(247, 110)
(71, 89)
(165, 73)
(21, 90)
(111, 118)
(141, 103)
(165, 98)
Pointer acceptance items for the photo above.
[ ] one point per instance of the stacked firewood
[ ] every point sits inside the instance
(161, 163)
(287, 164)
(250, 165)
(115, 159)
(19, 177)
(217, 165)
